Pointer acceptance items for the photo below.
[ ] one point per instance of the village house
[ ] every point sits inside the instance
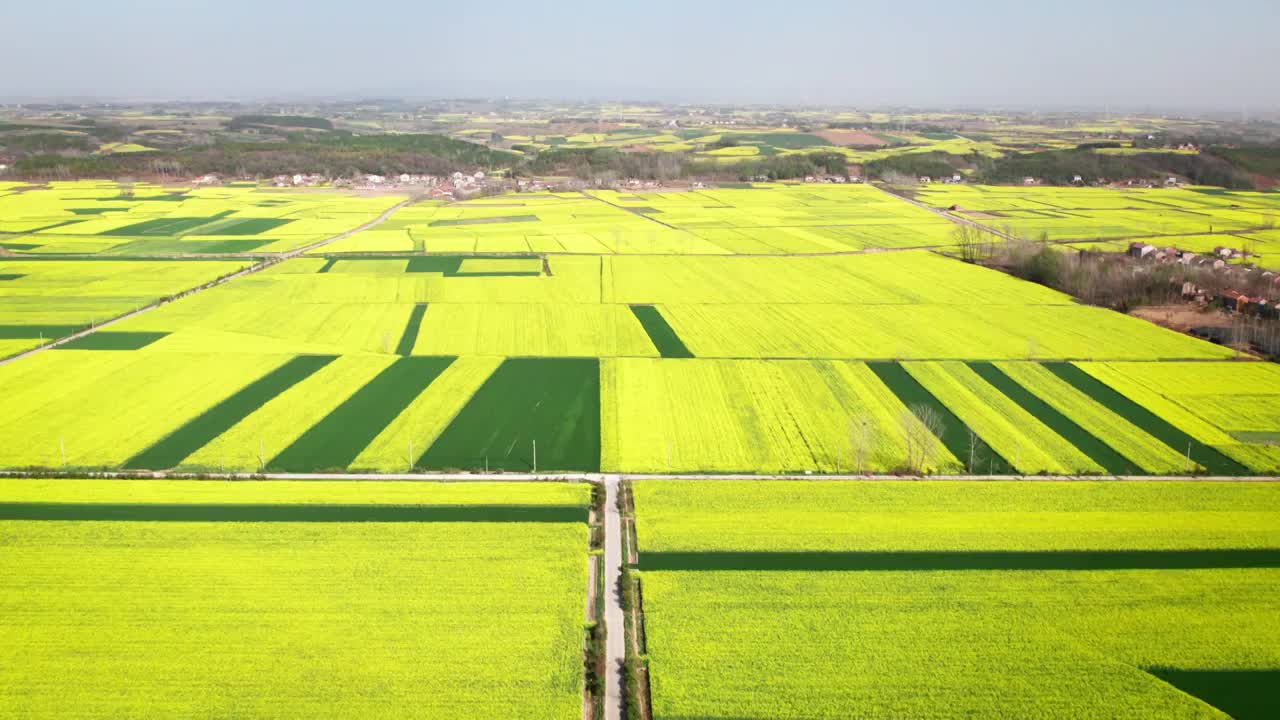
(1140, 250)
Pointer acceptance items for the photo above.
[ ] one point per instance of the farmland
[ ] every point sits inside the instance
(132, 599)
(458, 353)
(44, 300)
(741, 402)
(569, 339)
(940, 600)
(764, 219)
(1078, 213)
(110, 219)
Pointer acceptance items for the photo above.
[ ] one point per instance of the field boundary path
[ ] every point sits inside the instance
(943, 213)
(633, 211)
(256, 267)
(607, 478)
(614, 622)
(961, 220)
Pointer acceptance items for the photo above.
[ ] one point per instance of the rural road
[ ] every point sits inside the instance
(938, 211)
(616, 639)
(606, 478)
(211, 284)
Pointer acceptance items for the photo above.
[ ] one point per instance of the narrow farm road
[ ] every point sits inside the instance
(615, 643)
(938, 211)
(211, 284)
(598, 477)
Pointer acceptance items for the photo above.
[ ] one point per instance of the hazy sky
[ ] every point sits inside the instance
(1134, 53)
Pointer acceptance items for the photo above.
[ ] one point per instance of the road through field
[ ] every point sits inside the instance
(937, 211)
(214, 283)
(604, 478)
(615, 642)
(960, 220)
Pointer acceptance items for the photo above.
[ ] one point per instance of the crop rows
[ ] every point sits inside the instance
(801, 600)
(291, 599)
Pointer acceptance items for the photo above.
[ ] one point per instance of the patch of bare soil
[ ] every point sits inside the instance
(851, 137)
(1182, 317)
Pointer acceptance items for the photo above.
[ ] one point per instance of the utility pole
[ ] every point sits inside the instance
(535, 457)
(262, 463)
(411, 453)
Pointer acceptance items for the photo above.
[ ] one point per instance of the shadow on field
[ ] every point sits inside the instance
(1242, 694)
(148, 512)
(993, 560)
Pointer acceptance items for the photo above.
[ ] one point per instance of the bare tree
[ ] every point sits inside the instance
(975, 451)
(862, 438)
(969, 240)
(922, 426)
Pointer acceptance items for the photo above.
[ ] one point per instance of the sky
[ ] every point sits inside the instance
(1084, 54)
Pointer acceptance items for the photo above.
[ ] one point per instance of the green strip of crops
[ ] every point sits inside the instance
(165, 226)
(444, 264)
(907, 561)
(553, 402)
(335, 441)
(661, 334)
(282, 512)
(1097, 450)
(243, 226)
(186, 246)
(485, 220)
(956, 436)
(328, 265)
(1242, 694)
(1214, 461)
(32, 332)
(113, 340)
(184, 441)
(410, 335)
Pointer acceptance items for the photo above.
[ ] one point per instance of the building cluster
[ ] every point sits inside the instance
(955, 179)
(1231, 299)
(837, 179)
(1239, 302)
(299, 180)
(457, 185)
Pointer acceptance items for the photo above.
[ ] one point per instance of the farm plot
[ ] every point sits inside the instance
(790, 220)
(362, 306)
(763, 220)
(390, 363)
(198, 599)
(940, 600)
(1211, 409)
(1019, 437)
(1101, 213)
(147, 220)
(1141, 448)
(753, 416)
(45, 300)
(526, 222)
(924, 331)
(89, 408)
(529, 414)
